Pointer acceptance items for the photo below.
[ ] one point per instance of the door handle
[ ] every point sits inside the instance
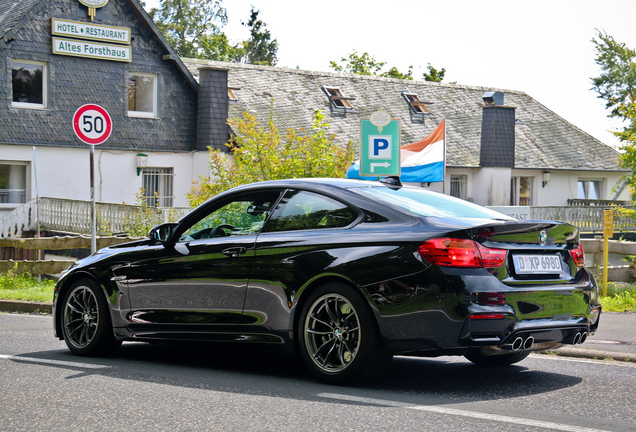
(233, 252)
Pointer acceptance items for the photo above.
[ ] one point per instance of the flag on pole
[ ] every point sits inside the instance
(421, 162)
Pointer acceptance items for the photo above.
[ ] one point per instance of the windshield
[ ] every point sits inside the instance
(428, 203)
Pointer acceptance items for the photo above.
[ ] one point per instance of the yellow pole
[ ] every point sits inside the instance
(605, 263)
(608, 231)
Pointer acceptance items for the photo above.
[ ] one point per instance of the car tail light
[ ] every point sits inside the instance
(578, 255)
(486, 316)
(453, 252)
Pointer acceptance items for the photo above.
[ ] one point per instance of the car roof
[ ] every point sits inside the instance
(314, 183)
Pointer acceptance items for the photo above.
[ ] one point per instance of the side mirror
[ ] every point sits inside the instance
(163, 232)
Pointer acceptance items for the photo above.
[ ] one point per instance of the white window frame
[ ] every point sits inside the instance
(459, 186)
(27, 174)
(155, 98)
(416, 104)
(515, 191)
(45, 85)
(586, 188)
(162, 180)
(337, 98)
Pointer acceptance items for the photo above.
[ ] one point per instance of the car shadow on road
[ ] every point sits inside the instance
(251, 371)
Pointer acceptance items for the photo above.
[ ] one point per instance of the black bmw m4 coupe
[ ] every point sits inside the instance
(348, 273)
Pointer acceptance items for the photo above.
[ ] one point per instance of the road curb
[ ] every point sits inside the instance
(26, 306)
(591, 354)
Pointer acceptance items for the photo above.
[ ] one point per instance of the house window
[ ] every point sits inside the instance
(29, 84)
(416, 103)
(459, 185)
(337, 98)
(142, 95)
(157, 185)
(521, 191)
(589, 189)
(13, 180)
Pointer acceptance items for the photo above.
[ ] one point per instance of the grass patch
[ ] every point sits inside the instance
(25, 287)
(620, 298)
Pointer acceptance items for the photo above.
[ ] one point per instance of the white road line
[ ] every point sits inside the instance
(458, 412)
(52, 362)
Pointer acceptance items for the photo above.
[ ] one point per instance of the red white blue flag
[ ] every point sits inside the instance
(423, 161)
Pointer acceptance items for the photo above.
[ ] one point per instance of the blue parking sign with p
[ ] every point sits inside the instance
(379, 149)
(380, 146)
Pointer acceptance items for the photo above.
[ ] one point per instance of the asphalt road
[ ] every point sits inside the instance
(187, 388)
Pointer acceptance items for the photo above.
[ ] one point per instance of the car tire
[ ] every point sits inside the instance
(338, 337)
(85, 319)
(482, 359)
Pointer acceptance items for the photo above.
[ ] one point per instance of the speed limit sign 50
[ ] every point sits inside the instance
(92, 124)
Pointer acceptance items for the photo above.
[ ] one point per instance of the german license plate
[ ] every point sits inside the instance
(537, 264)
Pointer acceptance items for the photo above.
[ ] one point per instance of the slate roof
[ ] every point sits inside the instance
(543, 139)
(13, 13)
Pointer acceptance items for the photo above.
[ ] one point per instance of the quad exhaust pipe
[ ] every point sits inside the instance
(579, 338)
(520, 343)
(526, 342)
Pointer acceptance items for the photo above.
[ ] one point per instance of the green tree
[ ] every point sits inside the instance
(434, 75)
(260, 152)
(259, 48)
(365, 64)
(616, 85)
(186, 24)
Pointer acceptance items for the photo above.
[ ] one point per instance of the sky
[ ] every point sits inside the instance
(541, 47)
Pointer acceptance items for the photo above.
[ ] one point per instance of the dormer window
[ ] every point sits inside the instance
(231, 93)
(416, 104)
(337, 98)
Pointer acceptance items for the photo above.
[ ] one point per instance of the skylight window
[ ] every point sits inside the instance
(416, 104)
(337, 98)
(231, 93)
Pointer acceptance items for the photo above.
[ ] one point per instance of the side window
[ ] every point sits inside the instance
(142, 95)
(29, 84)
(302, 210)
(13, 182)
(244, 216)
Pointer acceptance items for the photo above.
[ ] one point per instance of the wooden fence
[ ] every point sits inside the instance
(49, 267)
(43, 267)
(73, 216)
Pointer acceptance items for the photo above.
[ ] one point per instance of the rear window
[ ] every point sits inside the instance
(428, 203)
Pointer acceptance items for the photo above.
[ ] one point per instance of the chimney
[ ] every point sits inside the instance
(212, 129)
(497, 132)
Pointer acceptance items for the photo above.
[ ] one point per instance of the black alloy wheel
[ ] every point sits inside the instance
(86, 324)
(338, 337)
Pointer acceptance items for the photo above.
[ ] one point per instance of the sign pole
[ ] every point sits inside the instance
(93, 125)
(93, 213)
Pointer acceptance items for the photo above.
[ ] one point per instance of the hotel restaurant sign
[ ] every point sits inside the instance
(79, 39)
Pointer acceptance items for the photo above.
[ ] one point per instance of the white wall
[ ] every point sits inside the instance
(491, 186)
(116, 178)
(64, 172)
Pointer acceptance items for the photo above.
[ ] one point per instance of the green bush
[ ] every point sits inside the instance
(14, 286)
(620, 298)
